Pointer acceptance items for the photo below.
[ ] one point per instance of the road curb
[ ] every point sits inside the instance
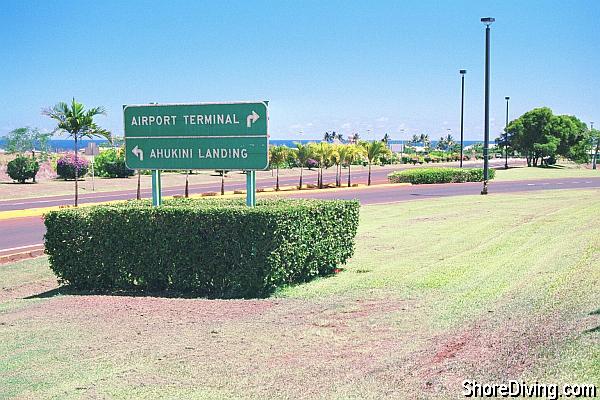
(266, 192)
(24, 255)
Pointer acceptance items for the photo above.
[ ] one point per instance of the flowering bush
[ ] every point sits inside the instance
(311, 163)
(66, 166)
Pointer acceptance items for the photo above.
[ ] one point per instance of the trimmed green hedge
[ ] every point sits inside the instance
(439, 175)
(207, 247)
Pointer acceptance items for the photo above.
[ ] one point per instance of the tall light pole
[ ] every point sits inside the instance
(401, 145)
(486, 136)
(506, 136)
(462, 113)
(594, 161)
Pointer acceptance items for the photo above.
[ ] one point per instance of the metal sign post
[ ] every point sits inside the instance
(92, 150)
(156, 188)
(212, 136)
(251, 188)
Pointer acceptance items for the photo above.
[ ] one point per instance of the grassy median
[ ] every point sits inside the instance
(487, 288)
(559, 171)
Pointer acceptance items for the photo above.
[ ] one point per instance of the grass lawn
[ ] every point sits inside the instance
(568, 170)
(487, 288)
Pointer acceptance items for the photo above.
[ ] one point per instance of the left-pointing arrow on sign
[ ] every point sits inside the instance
(138, 153)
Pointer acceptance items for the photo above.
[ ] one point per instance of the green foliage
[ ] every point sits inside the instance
(111, 163)
(22, 168)
(205, 247)
(375, 150)
(439, 175)
(303, 153)
(78, 123)
(278, 155)
(22, 140)
(541, 136)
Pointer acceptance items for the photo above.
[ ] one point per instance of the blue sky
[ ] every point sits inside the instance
(349, 66)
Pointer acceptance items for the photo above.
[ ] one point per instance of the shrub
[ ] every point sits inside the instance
(110, 163)
(22, 168)
(207, 247)
(439, 175)
(66, 165)
(312, 163)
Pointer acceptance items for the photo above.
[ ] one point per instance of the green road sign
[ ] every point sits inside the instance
(232, 136)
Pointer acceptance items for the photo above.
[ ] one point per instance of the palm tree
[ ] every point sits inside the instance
(278, 155)
(303, 154)
(329, 137)
(441, 144)
(354, 138)
(348, 154)
(339, 137)
(374, 151)
(78, 123)
(386, 139)
(336, 160)
(424, 139)
(223, 173)
(322, 152)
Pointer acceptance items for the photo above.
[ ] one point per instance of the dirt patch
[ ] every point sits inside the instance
(26, 290)
(490, 349)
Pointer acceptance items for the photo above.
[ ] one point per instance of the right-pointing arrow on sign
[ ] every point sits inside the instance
(138, 153)
(251, 119)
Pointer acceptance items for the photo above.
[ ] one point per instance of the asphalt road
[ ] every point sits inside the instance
(20, 234)
(378, 175)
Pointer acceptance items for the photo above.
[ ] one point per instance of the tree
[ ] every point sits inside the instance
(336, 160)
(278, 155)
(541, 136)
(386, 139)
(503, 142)
(374, 151)
(303, 154)
(329, 137)
(22, 140)
(441, 144)
(354, 138)
(594, 140)
(445, 143)
(22, 168)
(78, 123)
(223, 173)
(349, 154)
(111, 163)
(322, 153)
(570, 131)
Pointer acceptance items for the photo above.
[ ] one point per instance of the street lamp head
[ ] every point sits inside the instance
(488, 20)
(507, 98)
(463, 71)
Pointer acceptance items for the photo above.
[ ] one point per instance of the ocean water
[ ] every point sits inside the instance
(58, 145)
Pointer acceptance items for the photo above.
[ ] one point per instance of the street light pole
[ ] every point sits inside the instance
(462, 113)
(594, 161)
(487, 21)
(401, 145)
(506, 136)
